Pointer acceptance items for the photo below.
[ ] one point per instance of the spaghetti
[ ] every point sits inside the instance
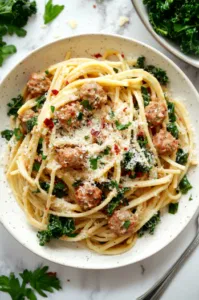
(101, 152)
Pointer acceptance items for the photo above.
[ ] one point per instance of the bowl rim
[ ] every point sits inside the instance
(179, 54)
(163, 245)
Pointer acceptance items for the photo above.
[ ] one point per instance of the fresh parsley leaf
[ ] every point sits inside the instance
(142, 141)
(150, 225)
(57, 227)
(86, 104)
(47, 72)
(40, 280)
(184, 185)
(18, 134)
(51, 11)
(86, 137)
(173, 208)
(173, 129)
(7, 134)
(94, 162)
(145, 96)
(120, 126)
(36, 166)
(126, 224)
(15, 105)
(31, 123)
(5, 52)
(181, 157)
(106, 151)
(52, 108)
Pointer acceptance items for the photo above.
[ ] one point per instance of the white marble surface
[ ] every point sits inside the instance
(127, 282)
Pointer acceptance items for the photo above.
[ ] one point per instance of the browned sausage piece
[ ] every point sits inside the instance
(122, 222)
(68, 115)
(155, 113)
(94, 93)
(164, 142)
(69, 157)
(88, 196)
(27, 115)
(38, 85)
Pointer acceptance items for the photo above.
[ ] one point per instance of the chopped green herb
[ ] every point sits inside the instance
(40, 281)
(86, 104)
(115, 70)
(18, 134)
(31, 123)
(47, 72)
(69, 122)
(36, 166)
(184, 185)
(150, 225)
(43, 156)
(80, 116)
(126, 224)
(190, 198)
(40, 101)
(112, 114)
(142, 141)
(145, 95)
(15, 105)
(86, 137)
(7, 134)
(94, 162)
(173, 129)
(44, 185)
(173, 208)
(51, 11)
(120, 126)
(39, 147)
(52, 108)
(106, 151)
(57, 227)
(181, 157)
(77, 183)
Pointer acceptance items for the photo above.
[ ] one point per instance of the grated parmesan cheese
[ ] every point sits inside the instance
(123, 20)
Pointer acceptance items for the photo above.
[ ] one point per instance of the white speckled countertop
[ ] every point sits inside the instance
(127, 282)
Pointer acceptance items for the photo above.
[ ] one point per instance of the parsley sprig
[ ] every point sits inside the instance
(29, 283)
(51, 11)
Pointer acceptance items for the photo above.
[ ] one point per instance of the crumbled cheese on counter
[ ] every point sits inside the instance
(123, 20)
(43, 26)
(72, 24)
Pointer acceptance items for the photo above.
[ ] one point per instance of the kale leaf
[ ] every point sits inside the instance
(181, 157)
(184, 185)
(57, 227)
(145, 96)
(173, 129)
(177, 21)
(150, 225)
(15, 105)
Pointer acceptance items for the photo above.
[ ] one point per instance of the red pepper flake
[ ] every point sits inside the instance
(55, 92)
(49, 123)
(125, 148)
(95, 132)
(97, 55)
(52, 274)
(117, 149)
(94, 6)
(67, 82)
(122, 55)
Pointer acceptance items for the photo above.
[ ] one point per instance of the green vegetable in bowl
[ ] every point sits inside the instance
(176, 20)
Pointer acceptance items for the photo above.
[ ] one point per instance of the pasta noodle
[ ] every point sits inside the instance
(95, 153)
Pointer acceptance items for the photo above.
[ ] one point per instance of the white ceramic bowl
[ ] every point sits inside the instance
(169, 45)
(11, 215)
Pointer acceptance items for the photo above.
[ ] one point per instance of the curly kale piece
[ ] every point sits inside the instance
(176, 20)
(150, 225)
(57, 227)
